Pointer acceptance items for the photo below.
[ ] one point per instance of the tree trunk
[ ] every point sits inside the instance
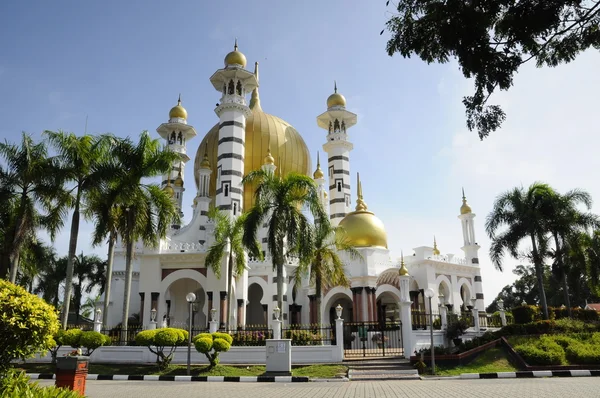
(14, 268)
(280, 287)
(318, 293)
(71, 256)
(17, 239)
(563, 272)
(539, 272)
(109, 267)
(230, 287)
(128, 273)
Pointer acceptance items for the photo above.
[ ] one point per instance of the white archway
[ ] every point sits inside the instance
(444, 287)
(337, 295)
(181, 275)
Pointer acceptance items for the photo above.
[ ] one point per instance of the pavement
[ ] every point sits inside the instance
(456, 388)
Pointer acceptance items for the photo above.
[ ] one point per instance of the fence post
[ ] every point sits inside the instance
(276, 329)
(98, 321)
(475, 312)
(503, 317)
(444, 316)
(339, 338)
(214, 325)
(405, 312)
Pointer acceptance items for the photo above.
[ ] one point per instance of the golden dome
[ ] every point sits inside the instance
(169, 190)
(362, 227)
(318, 172)
(465, 208)
(436, 251)
(235, 57)
(263, 132)
(205, 164)
(336, 99)
(179, 180)
(178, 111)
(403, 271)
(269, 159)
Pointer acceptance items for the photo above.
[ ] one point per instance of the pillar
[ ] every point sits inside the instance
(339, 339)
(240, 313)
(405, 316)
(209, 296)
(354, 305)
(369, 304)
(142, 296)
(223, 310)
(374, 303)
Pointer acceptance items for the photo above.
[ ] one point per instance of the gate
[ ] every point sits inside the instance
(373, 339)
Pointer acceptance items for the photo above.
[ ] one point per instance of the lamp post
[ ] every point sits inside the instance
(429, 294)
(338, 311)
(276, 323)
(190, 297)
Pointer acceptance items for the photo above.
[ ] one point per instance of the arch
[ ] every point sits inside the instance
(388, 302)
(465, 292)
(263, 284)
(338, 293)
(230, 88)
(395, 292)
(389, 277)
(255, 310)
(178, 275)
(444, 286)
(238, 88)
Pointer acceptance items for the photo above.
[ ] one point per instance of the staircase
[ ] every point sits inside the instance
(381, 369)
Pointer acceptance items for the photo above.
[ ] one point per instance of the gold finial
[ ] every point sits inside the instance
(255, 99)
(360, 203)
(256, 71)
(403, 270)
(269, 159)
(179, 179)
(205, 164)
(318, 174)
(235, 46)
(465, 208)
(334, 86)
(168, 188)
(436, 251)
(179, 99)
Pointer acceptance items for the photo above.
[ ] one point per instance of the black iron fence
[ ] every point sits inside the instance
(373, 339)
(421, 320)
(121, 337)
(310, 334)
(250, 336)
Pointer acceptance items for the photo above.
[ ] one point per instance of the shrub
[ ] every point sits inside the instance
(92, 340)
(544, 351)
(57, 342)
(71, 337)
(540, 327)
(164, 341)
(27, 324)
(438, 349)
(202, 336)
(456, 327)
(212, 345)
(303, 337)
(526, 314)
(16, 384)
(250, 337)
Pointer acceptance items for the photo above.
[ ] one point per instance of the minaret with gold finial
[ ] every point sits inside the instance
(269, 164)
(319, 177)
(337, 120)
(176, 133)
(234, 82)
(436, 251)
(202, 200)
(470, 247)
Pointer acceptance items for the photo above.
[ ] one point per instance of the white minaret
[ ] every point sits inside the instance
(202, 199)
(234, 82)
(319, 177)
(337, 120)
(176, 134)
(471, 248)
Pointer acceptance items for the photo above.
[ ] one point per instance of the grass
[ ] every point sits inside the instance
(313, 371)
(490, 361)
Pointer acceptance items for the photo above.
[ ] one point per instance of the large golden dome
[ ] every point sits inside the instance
(178, 111)
(362, 227)
(263, 131)
(235, 57)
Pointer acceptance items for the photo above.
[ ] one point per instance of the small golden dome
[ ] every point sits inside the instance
(235, 57)
(179, 180)
(336, 99)
(169, 190)
(318, 172)
(269, 159)
(465, 208)
(403, 271)
(178, 111)
(362, 227)
(325, 194)
(436, 251)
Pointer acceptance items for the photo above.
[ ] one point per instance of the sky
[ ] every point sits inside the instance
(120, 65)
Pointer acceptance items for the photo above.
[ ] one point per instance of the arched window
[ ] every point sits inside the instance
(234, 208)
(336, 126)
(330, 127)
(339, 184)
(172, 138)
(226, 189)
(343, 126)
(179, 139)
(230, 88)
(238, 88)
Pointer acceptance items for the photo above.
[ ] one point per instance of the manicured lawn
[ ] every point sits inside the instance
(314, 371)
(492, 360)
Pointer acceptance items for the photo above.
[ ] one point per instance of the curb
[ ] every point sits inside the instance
(240, 379)
(531, 374)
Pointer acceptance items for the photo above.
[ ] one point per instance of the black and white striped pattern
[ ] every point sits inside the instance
(531, 374)
(238, 379)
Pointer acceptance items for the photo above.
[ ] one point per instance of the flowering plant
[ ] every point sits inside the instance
(74, 353)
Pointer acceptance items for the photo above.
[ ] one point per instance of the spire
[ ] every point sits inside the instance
(179, 179)
(335, 86)
(235, 46)
(436, 251)
(360, 204)
(255, 99)
(205, 164)
(269, 159)
(179, 99)
(465, 208)
(403, 270)
(318, 174)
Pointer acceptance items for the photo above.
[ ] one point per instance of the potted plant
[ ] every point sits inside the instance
(456, 328)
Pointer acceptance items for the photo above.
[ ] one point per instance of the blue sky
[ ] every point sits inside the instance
(122, 65)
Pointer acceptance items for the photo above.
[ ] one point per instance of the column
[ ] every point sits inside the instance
(223, 310)
(240, 313)
(354, 305)
(405, 316)
(359, 296)
(209, 295)
(142, 295)
(374, 298)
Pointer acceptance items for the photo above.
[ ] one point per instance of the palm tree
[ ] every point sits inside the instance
(228, 240)
(564, 219)
(279, 203)
(78, 159)
(34, 255)
(324, 266)
(148, 211)
(51, 277)
(28, 184)
(522, 213)
(87, 269)
(89, 307)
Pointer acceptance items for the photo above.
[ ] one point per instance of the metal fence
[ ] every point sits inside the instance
(250, 336)
(310, 334)
(363, 339)
(121, 337)
(421, 320)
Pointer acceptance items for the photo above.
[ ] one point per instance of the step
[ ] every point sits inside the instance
(381, 368)
(384, 377)
(354, 372)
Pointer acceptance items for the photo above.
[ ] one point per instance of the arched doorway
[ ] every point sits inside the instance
(178, 312)
(256, 313)
(387, 307)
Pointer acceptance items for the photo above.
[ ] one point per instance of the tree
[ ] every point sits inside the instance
(86, 270)
(51, 277)
(564, 219)
(324, 266)
(279, 203)
(522, 213)
(78, 160)
(228, 240)
(492, 39)
(31, 197)
(148, 210)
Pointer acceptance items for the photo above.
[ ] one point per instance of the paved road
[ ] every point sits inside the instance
(587, 387)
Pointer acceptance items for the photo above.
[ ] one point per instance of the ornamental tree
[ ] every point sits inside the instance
(27, 324)
(492, 39)
(162, 343)
(212, 344)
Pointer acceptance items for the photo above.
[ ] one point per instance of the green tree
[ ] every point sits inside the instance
(228, 235)
(492, 39)
(324, 266)
(31, 197)
(86, 270)
(78, 160)
(522, 213)
(148, 211)
(279, 204)
(52, 275)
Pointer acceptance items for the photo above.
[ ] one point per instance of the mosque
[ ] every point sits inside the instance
(246, 138)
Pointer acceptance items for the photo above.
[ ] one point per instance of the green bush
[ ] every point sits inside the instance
(202, 336)
(16, 384)
(582, 353)
(526, 314)
(212, 345)
(303, 337)
(92, 340)
(251, 337)
(145, 337)
(27, 324)
(71, 337)
(162, 343)
(543, 351)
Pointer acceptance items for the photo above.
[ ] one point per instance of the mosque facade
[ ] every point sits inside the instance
(246, 138)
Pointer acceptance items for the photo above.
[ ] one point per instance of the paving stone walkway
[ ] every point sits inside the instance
(588, 387)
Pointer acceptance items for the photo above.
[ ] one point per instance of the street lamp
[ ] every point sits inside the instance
(441, 299)
(500, 304)
(429, 293)
(213, 314)
(276, 312)
(338, 311)
(153, 315)
(190, 297)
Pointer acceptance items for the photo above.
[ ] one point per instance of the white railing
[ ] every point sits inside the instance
(182, 247)
(449, 259)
